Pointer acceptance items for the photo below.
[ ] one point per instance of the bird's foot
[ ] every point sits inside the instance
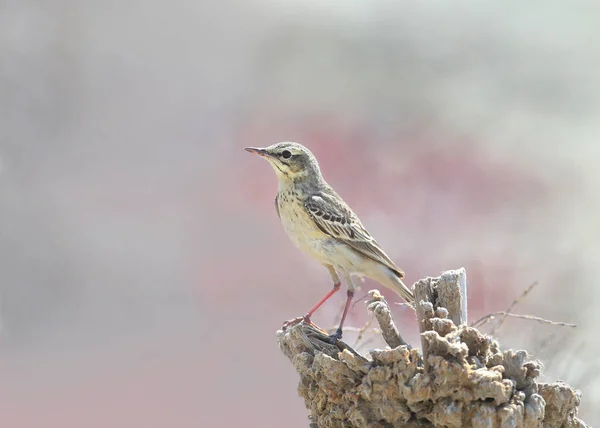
(291, 323)
(305, 319)
(333, 338)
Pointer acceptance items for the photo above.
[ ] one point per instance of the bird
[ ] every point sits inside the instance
(320, 223)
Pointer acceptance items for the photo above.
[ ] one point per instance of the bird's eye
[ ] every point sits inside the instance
(286, 154)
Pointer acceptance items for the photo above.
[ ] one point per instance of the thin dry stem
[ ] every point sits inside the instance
(512, 305)
(484, 320)
(361, 332)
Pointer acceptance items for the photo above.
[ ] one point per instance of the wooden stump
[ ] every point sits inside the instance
(462, 379)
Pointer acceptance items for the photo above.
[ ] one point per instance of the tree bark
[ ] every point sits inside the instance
(462, 379)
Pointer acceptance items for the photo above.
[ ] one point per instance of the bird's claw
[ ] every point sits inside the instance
(291, 323)
(333, 338)
(305, 319)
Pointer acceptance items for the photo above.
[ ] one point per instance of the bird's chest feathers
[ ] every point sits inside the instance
(296, 222)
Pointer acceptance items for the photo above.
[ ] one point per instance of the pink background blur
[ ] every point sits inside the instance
(143, 271)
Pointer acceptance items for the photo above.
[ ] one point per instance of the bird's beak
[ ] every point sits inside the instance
(257, 151)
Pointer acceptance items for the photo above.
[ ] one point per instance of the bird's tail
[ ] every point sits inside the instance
(396, 284)
(392, 280)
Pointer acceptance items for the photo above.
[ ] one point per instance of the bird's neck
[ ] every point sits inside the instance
(309, 183)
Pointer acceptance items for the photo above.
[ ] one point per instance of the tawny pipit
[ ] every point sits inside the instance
(320, 223)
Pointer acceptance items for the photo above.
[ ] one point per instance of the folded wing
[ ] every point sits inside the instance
(338, 221)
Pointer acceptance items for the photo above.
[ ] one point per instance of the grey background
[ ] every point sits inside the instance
(143, 272)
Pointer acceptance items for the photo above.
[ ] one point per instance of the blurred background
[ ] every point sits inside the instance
(143, 271)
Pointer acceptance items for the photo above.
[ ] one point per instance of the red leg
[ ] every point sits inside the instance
(338, 333)
(306, 318)
(326, 297)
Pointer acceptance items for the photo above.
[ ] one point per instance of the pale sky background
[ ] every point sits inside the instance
(143, 272)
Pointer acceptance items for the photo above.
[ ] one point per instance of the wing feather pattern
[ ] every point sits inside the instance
(338, 221)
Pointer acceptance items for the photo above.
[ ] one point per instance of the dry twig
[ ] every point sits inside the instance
(379, 307)
(489, 317)
(512, 305)
(508, 313)
(361, 332)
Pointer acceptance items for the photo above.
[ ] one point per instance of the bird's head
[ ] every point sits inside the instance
(291, 161)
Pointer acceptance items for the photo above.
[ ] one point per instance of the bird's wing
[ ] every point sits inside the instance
(277, 206)
(338, 221)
